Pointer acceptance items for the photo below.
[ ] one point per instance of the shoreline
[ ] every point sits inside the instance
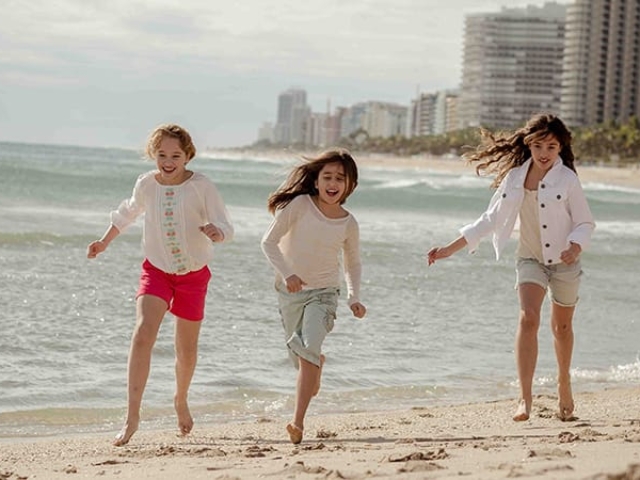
(476, 440)
(627, 176)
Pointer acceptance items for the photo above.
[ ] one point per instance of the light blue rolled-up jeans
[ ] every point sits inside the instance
(307, 317)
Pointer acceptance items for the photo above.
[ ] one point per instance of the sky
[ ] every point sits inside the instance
(105, 73)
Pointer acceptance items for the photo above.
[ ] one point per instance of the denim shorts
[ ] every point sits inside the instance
(561, 280)
(307, 317)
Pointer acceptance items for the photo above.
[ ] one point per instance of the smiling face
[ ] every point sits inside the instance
(544, 151)
(331, 183)
(171, 161)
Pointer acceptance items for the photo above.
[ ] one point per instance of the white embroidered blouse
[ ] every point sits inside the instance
(173, 214)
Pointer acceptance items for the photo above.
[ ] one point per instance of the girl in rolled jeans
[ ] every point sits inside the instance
(535, 181)
(310, 231)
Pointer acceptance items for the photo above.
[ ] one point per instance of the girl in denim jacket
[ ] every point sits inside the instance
(535, 181)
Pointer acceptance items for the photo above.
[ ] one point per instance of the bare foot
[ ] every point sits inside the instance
(522, 412)
(123, 437)
(317, 389)
(295, 433)
(185, 421)
(565, 401)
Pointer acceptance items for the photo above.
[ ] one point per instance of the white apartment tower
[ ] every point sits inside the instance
(423, 115)
(452, 121)
(378, 119)
(601, 76)
(434, 113)
(512, 66)
(383, 119)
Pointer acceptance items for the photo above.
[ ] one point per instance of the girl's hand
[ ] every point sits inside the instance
(571, 254)
(358, 309)
(212, 232)
(436, 253)
(294, 283)
(96, 248)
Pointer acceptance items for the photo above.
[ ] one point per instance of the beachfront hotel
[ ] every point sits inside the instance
(512, 65)
(601, 68)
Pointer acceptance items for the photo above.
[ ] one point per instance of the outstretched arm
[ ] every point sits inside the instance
(99, 246)
(436, 253)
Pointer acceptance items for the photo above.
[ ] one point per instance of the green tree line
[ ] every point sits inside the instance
(611, 143)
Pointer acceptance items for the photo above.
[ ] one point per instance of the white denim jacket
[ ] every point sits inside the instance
(562, 210)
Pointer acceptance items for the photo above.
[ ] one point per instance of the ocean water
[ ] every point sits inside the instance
(436, 335)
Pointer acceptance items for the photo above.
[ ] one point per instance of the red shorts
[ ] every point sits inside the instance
(185, 294)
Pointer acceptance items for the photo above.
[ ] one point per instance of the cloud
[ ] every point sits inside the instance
(119, 63)
(301, 38)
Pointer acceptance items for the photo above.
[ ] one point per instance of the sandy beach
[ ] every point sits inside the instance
(478, 441)
(623, 176)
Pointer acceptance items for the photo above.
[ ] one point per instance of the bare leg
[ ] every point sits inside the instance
(308, 378)
(149, 313)
(561, 326)
(187, 333)
(317, 389)
(531, 298)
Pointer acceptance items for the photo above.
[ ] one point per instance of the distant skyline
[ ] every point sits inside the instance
(105, 73)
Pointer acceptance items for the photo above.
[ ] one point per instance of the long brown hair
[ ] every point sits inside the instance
(302, 179)
(499, 153)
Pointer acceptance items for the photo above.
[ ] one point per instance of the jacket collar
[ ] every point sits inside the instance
(552, 176)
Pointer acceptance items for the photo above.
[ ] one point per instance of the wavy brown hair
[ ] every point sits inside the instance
(173, 131)
(499, 153)
(302, 179)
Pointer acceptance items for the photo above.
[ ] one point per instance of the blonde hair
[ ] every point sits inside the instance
(302, 178)
(172, 131)
(499, 153)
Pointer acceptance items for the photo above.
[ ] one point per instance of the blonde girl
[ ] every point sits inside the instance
(184, 217)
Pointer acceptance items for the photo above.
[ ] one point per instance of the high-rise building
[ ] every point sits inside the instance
(383, 119)
(265, 133)
(334, 125)
(352, 119)
(423, 115)
(377, 119)
(291, 120)
(452, 122)
(601, 72)
(512, 66)
(316, 134)
(434, 113)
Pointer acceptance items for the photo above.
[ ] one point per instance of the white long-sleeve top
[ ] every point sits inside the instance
(563, 212)
(173, 214)
(301, 240)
